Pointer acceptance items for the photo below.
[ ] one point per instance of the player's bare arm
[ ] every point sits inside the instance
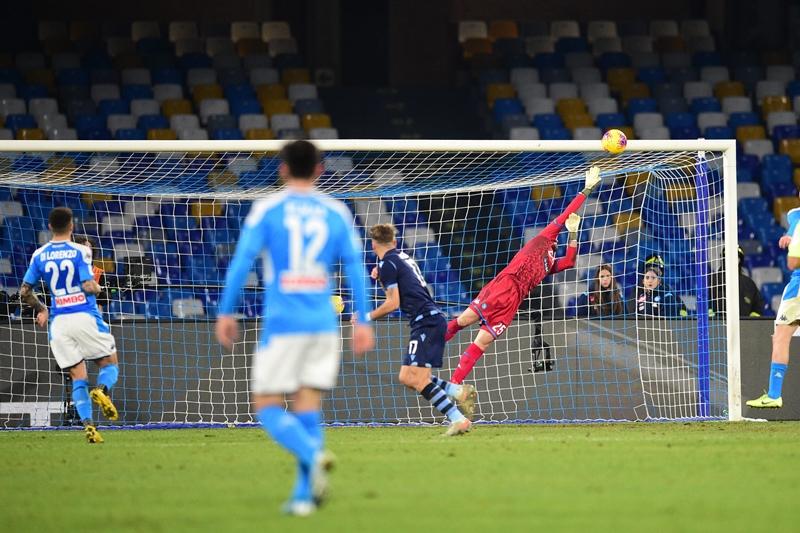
(90, 286)
(27, 296)
(389, 305)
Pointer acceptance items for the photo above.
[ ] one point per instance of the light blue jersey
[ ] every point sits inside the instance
(301, 237)
(793, 287)
(64, 266)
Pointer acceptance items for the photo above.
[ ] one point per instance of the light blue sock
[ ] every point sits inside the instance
(451, 389)
(777, 371)
(311, 422)
(107, 377)
(80, 397)
(286, 430)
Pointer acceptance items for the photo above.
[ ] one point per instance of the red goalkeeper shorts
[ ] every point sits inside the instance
(497, 303)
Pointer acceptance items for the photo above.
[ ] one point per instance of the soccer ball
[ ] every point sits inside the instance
(614, 142)
(338, 304)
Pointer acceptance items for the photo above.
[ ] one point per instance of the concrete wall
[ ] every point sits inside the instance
(175, 372)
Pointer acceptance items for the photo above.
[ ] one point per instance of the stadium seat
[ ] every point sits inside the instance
(607, 44)
(599, 106)
(746, 133)
(592, 90)
(714, 74)
(204, 92)
(772, 104)
(176, 107)
(524, 133)
(758, 147)
(276, 29)
(564, 28)
(531, 90)
(499, 90)
(144, 107)
(781, 73)
(725, 89)
(118, 122)
(791, 147)
(764, 275)
(183, 121)
(766, 88)
(472, 29)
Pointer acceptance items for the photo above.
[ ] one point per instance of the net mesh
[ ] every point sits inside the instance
(164, 227)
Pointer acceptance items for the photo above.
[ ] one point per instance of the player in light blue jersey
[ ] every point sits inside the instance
(302, 235)
(76, 328)
(787, 320)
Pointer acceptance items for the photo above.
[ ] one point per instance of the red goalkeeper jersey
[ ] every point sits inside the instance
(536, 260)
(499, 300)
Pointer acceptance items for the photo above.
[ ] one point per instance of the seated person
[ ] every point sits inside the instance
(603, 298)
(654, 300)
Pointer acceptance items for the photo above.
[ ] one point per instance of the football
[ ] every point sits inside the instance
(614, 142)
(338, 303)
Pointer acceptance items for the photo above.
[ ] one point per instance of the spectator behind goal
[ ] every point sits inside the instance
(751, 303)
(603, 298)
(98, 273)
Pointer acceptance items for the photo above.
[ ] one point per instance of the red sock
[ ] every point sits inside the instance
(467, 361)
(452, 329)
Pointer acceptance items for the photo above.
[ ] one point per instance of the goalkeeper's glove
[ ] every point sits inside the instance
(592, 179)
(573, 223)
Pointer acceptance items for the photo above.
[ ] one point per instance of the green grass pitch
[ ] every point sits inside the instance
(623, 477)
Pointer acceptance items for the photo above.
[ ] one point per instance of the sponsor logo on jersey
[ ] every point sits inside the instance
(70, 300)
(291, 282)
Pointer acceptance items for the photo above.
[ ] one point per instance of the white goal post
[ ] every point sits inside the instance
(654, 195)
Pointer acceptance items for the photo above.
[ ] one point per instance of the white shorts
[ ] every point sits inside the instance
(289, 362)
(78, 336)
(788, 312)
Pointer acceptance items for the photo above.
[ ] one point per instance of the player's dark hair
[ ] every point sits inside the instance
(60, 219)
(84, 240)
(382, 233)
(302, 158)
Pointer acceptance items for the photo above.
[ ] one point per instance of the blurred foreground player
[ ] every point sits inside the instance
(499, 300)
(77, 331)
(303, 234)
(787, 319)
(406, 289)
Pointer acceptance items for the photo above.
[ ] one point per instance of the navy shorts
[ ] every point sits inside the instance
(426, 345)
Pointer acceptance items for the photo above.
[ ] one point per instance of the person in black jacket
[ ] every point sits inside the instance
(603, 298)
(653, 299)
(99, 274)
(751, 302)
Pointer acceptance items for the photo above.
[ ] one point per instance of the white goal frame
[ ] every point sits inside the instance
(726, 147)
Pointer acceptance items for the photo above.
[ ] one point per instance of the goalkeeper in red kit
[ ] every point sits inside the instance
(499, 300)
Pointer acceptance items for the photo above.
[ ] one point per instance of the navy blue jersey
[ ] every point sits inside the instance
(398, 269)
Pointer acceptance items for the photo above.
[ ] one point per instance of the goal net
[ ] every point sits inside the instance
(164, 218)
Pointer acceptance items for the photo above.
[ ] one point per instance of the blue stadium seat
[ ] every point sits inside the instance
(137, 92)
(245, 106)
(684, 132)
(554, 75)
(555, 134)
(167, 75)
(547, 120)
(194, 60)
(114, 107)
(509, 46)
(231, 76)
(769, 233)
(651, 75)
(16, 122)
(753, 205)
(748, 161)
(152, 122)
(566, 45)
(506, 106)
(758, 260)
(793, 89)
(777, 161)
(609, 60)
(676, 104)
(307, 106)
(548, 60)
(641, 105)
(705, 105)
(19, 230)
(103, 74)
(130, 134)
(679, 120)
(667, 90)
(682, 74)
(227, 134)
(768, 290)
(780, 133)
(239, 91)
(610, 120)
(73, 76)
(33, 91)
(720, 132)
(743, 119)
(706, 59)
(83, 106)
(88, 122)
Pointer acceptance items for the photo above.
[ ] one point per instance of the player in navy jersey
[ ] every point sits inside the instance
(406, 289)
(76, 328)
(302, 235)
